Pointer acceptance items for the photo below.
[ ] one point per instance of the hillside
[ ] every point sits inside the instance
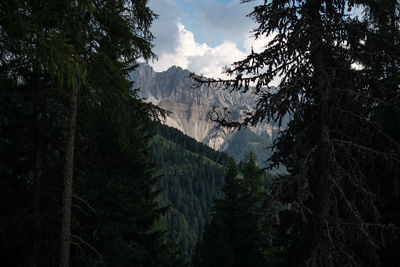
(192, 177)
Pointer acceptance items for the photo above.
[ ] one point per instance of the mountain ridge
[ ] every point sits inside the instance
(189, 109)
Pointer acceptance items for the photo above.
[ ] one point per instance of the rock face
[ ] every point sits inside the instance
(190, 107)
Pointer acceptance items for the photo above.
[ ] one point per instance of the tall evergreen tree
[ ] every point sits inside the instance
(253, 240)
(236, 234)
(382, 74)
(49, 67)
(27, 42)
(216, 246)
(116, 183)
(326, 146)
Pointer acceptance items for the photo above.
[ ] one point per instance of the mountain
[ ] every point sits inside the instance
(190, 107)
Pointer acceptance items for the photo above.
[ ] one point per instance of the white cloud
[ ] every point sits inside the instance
(199, 58)
(211, 63)
(186, 47)
(204, 59)
(258, 45)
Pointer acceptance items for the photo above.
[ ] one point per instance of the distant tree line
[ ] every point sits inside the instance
(191, 144)
(189, 181)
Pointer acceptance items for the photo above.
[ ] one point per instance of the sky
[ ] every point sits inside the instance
(202, 36)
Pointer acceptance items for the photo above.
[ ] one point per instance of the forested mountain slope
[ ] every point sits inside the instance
(192, 177)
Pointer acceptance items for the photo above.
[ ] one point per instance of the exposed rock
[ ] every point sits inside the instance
(190, 107)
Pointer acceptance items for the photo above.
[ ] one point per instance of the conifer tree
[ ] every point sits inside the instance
(253, 242)
(48, 62)
(327, 145)
(236, 234)
(216, 246)
(380, 59)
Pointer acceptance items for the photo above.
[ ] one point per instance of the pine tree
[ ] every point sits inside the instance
(216, 248)
(100, 27)
(27, 42)
(326, 146)
(254, 241)
(382, 74)
(47, 62)
(236, 234)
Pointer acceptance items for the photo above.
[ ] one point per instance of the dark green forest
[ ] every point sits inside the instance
(90, 177)
(236, 234)
(77, 180)
(191, 178)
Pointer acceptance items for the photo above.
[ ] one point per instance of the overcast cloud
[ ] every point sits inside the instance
(164, 27)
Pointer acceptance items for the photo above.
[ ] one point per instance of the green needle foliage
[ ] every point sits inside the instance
(50, 52)
(338, 63)
(191, 177)
(237, 233)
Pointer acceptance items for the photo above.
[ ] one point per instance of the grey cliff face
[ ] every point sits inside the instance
(190, 107)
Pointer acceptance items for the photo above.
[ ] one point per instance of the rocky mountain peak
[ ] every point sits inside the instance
(173, 90)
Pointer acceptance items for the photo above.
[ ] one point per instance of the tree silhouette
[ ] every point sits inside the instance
(329, 145)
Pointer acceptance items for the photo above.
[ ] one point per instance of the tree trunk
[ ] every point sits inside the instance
(320, 183)
(38, 171)
(37, 177)
(68, 177)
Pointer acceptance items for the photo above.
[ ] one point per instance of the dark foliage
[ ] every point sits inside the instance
(191, 144)
(339, 149)
(191, 177)
(44, 54)
(236, 234)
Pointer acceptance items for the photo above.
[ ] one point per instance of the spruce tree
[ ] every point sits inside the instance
(47, 61)
(253, 240)
(236, 234)
(380, 59)
(327, 145)
(216, 246)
